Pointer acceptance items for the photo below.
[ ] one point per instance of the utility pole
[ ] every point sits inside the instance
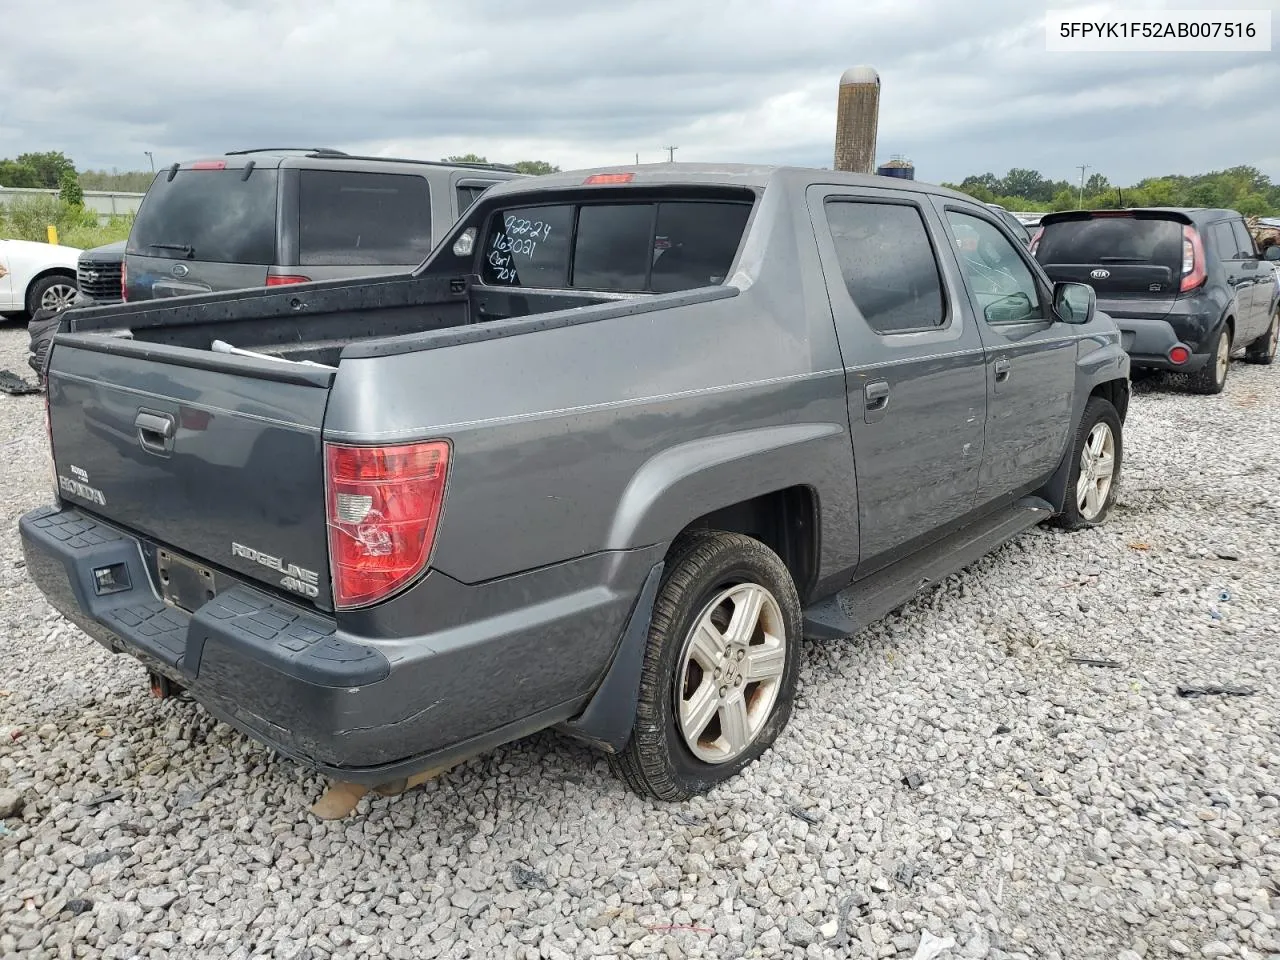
(1083, 168)
(637, 158)
(152, 159)
(671, 154)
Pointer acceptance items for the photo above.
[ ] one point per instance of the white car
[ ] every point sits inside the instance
(35, 275)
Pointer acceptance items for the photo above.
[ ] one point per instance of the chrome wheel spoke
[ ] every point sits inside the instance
(697, 712)
(708, 645)
(1092, 503)
(764, 661)
(746, 614)
(735, 724)
(1103, 466)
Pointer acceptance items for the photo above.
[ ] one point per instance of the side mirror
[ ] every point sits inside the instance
(1272, 252)
(1074, 302)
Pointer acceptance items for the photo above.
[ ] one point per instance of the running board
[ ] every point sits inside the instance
(845, 613)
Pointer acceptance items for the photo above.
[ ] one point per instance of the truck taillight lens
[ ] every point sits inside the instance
(1035, 241)
(1193, 266)
(124, 283)
(284, 279)
(383, 505)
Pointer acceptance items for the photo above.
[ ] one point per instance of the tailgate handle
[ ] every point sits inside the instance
(155, 431)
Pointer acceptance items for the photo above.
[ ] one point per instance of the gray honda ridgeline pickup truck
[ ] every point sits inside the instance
(598, 464)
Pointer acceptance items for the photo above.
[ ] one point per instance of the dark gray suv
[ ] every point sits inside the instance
(1187, 287)
(276, 216)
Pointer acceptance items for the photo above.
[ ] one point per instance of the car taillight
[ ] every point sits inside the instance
(1035, 240)
(1193, 266)
(280, 280)
(383, 505)
(1179, 355)
(124, 272)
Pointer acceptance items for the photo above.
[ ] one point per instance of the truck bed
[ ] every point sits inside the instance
(317, 321)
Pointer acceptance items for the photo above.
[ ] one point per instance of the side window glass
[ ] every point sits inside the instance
(1244, 240)
(1225, 241)
(350, 218)
(888, 264)
(1000, 280)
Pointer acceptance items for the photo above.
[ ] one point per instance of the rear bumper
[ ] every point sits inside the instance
(1149, 343)
(1150, 329)
(361, 709)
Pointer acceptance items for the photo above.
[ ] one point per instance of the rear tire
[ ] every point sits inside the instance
(1098, 448)
(1263, 350)
(1212, 377)
(726, 601)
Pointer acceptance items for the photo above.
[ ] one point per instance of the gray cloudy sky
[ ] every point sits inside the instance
(967, 87)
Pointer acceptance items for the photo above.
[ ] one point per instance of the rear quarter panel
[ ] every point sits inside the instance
(615, 434)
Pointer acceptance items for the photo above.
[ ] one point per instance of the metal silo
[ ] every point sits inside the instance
(857, 117)
(898, 166)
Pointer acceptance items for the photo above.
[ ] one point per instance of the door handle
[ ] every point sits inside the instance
(1002, 367)
(155, 431)
(876, 394)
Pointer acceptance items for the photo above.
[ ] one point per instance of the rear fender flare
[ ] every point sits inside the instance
(687, 481)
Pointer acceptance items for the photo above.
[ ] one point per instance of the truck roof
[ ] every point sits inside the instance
(719, 174)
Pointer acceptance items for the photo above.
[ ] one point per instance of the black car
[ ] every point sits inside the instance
(98, 274)
(1186, 286)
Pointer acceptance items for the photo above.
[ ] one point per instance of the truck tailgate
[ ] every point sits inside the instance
(215, 458)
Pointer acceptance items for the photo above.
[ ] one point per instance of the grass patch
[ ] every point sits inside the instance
(28, 218)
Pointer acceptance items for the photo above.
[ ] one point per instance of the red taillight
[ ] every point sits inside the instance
(383, 505)
(1035, 240)
(283, 279)
(1179, 355)
(610, 178)
(1193, 266)
(124, 272)
(209, 165)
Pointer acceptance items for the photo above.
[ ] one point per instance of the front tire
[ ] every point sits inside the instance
(1263, 350)
(1212, 377)
(720, 667)
(54, 292)
(1096, 458)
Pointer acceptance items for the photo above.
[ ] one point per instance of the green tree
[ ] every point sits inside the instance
(129, 181)
(536, 167)
(69, 190)
(1066, 199)
(988, 182)
(1096, 183)
(1020, 182)
(1253, 205)
(466, 158)
(48, 166)
(15, 174)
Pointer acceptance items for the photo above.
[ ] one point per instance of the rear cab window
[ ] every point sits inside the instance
(218, 216)
(624, 246)
(351, 218)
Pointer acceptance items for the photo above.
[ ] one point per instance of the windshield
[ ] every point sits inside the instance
(211, 215)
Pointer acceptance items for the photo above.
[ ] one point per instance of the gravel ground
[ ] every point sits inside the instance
(1062, 810)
